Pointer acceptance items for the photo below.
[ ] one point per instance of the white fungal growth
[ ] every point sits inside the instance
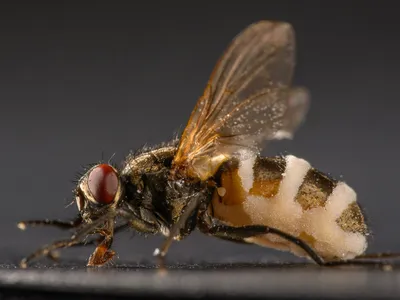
(318, 226)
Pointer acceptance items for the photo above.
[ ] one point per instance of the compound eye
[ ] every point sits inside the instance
(103, 183)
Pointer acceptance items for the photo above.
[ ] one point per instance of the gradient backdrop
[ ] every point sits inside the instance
(84, 79)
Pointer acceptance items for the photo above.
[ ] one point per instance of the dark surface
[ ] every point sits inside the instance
(239, 280)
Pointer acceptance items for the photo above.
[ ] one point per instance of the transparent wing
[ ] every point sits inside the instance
(248, 99)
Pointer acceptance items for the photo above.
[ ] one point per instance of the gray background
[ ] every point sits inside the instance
(80, 80)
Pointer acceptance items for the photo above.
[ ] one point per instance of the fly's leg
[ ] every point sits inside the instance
(75, 239)
(214, 227)
(55, 223)
(192, 203)
(174, 232)
(383, 255)
(47, 250)
(379, 259)
(146, 225)
(91, 242)
(102, 254)
(97, 241)
(239, 233)
(64, 225)
(254, 230)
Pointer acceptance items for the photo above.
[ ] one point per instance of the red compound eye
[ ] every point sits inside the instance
(103, 183)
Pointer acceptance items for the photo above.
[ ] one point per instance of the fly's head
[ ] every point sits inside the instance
(98, 191)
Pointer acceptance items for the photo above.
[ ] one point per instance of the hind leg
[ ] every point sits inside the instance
(214, 227)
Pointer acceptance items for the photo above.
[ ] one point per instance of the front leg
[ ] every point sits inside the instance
(64, 225)
(83, 231)
(55, 223)
(102, 254)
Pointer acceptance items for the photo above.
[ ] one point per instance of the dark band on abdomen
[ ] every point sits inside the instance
(315, 189)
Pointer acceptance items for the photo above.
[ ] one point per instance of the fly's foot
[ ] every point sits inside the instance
(54, 256)
(100, 257)
(23, 264)
(160, 255)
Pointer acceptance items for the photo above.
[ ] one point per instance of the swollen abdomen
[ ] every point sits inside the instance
(288, 194)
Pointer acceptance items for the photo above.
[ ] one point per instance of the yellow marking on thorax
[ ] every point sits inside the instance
(204, 167)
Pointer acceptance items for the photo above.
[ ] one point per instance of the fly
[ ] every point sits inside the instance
(213, 177)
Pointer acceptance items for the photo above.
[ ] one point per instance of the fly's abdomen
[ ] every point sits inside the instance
(290, 195)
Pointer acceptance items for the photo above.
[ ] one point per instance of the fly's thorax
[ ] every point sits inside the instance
(154, 195)
(180, 192)
(147, 161)
(288, 194)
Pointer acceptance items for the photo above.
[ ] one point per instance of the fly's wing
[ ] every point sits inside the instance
(248, 100)
(297, 103)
